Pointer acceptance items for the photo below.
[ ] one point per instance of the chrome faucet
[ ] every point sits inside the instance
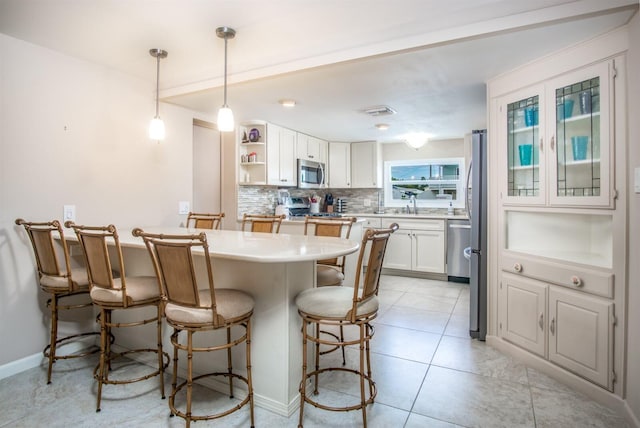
(412, 198)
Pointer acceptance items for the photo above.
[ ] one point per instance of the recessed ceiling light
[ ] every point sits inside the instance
(382, 126)
(287, 103)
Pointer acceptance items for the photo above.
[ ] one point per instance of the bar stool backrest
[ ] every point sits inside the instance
(330, 226)
(262, 223)
(94, 241)
(47, 253)
(367, 286)
(205, 220)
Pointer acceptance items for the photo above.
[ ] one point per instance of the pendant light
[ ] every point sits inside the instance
(416, 140)
(156, 127)
(225, 115)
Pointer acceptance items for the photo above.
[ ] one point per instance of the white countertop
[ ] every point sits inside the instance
(252, 246)
(415, 216)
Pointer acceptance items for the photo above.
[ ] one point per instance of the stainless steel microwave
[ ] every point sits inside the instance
(310, 174)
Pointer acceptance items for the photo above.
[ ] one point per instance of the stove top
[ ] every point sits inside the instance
(302, 215)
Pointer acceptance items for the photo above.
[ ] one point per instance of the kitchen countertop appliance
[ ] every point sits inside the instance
(299, 207)
(284, 198)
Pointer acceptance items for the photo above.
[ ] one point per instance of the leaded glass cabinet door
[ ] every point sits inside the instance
(580, 140)
(523, 128)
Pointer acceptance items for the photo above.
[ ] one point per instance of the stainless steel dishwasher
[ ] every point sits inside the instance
(458, 238)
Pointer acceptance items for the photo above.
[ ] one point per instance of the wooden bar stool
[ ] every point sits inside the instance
(262, 223)
(205, 220)
(118, 294)
(59, 283)
(193, 309)
(330, 271)
(338, 305)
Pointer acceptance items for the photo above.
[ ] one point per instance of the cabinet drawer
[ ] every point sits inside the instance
(577, 278)
(371, 222)
(416, 224)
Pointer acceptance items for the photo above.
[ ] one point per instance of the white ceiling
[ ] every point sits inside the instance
(427, 59)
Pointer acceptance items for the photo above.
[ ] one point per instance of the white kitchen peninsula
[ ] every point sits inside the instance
(273, 268)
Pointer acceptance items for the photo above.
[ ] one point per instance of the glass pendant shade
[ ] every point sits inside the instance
(225, 119)
(415, 144)
(156, 129)
(225, 115)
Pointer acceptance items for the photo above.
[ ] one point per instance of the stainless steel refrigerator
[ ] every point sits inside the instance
(477, 209)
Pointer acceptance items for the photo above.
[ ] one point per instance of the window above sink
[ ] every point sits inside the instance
(434, 183)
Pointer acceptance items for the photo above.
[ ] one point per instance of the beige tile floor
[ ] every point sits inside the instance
(428, 372)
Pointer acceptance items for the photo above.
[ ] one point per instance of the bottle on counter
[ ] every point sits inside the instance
(450, 210)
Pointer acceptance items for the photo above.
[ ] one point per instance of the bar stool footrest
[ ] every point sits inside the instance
(370, 400)
(179, 387)
(115, 356)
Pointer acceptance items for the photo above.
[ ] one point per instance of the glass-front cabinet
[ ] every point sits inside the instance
(558, 141)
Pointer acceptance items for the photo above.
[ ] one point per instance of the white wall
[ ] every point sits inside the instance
(433, 149)
(633, 119)
(102, 162)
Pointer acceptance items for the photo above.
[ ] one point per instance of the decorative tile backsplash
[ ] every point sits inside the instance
(263, 199)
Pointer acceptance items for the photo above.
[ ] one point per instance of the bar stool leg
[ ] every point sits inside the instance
(103, 350)
(362, 355)
(159, 348)
(249, 379)
(54, 335)
(174, 379)
(303, 383)
(189, 374)
(229, 363)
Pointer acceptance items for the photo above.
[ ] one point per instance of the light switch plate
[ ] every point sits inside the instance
(183, 207)
(636, 181)
(69, 213)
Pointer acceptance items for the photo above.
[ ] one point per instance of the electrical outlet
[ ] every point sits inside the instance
(183, 207)
(367, 202)
(69, 213)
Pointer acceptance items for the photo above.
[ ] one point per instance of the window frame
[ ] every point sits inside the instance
(458, 202)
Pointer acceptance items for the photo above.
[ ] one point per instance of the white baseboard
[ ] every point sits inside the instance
(37, 359)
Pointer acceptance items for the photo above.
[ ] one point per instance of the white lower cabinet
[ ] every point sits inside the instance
(571, 329)
(418, 245)
(581, 333)
(524, 316)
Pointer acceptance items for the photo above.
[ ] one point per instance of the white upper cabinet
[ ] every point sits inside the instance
(366, 165)
(312, 148)
(557, 141)
(339, 165)
(281, 156)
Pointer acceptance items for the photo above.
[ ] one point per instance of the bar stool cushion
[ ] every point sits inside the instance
(230, 304)
(79, 276)
(139, 289)
(328, 275)
(333, 302)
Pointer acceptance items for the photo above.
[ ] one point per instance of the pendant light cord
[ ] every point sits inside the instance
(225, 72)
(157, 84)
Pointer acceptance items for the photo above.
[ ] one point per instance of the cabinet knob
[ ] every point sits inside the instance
(575, 280)
(553, 143)
(517, 267)
(552, 326)
(541, 321)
